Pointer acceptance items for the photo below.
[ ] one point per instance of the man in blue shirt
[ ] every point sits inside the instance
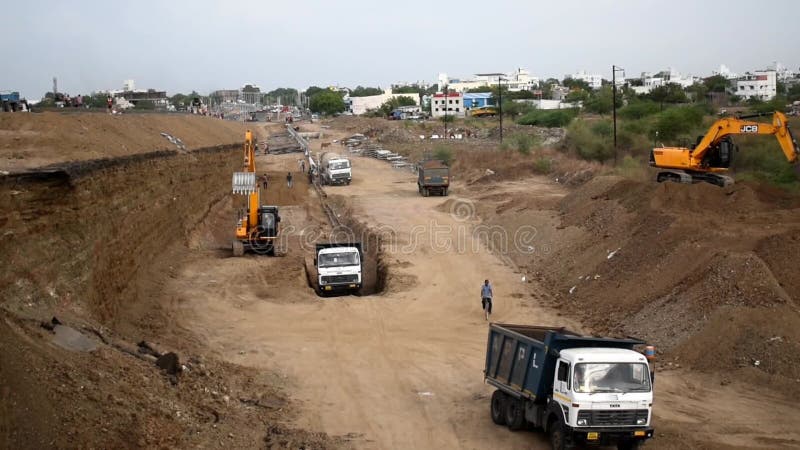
(486, 298)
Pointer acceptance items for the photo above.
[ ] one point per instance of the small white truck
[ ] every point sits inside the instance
(338, 268)
(335, 169)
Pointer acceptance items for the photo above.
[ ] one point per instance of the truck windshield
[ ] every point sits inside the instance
(611, 377)
(336, 165)
(338, 259)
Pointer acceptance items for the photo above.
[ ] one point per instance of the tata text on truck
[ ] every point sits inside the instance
(578, 389)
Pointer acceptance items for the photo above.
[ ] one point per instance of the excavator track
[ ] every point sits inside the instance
(687, 177)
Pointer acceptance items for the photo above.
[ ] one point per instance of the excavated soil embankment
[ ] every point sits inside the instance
(707, 274)
(94, 243)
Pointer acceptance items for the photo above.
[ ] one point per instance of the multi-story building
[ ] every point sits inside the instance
(518, 80)
(762, 84)
(595, 81)
(451, 104)
(649, 81)
(361, 105)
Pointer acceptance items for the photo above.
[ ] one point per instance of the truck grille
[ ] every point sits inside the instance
(335, 279)
(606, 417)
(340, 175)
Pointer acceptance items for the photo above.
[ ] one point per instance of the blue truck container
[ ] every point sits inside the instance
(9, 101)
(532, 368)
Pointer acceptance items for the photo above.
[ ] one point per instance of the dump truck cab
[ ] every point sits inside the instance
(338, 267)
(605, 395)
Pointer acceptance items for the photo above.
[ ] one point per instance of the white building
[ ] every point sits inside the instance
(595, 81)
(669, 76)
(518, 80)
(451, 104)
(724, 71)
(361, 105)
(761, 84)
(128, 85)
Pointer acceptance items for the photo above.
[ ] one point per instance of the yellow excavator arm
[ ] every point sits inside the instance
(714, 152)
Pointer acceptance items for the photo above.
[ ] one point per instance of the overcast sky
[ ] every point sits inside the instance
(204, 45)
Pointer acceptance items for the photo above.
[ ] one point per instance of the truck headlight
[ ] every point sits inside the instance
(582, 422)
(641, 421)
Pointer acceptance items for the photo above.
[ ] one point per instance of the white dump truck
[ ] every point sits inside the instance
(338, 267)
(334, 169)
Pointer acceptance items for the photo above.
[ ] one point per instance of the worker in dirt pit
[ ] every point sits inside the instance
(265, 180)
(302, 166)
(486, 299)
(289, 179)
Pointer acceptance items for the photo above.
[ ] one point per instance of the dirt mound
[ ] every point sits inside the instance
(33, 140)
(706, 274)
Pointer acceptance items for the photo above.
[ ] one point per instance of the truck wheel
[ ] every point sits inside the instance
(238, 248)
(557, 437)
(498, 407)
(515, 414)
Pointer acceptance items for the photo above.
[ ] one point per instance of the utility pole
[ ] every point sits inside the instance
(614, 70)
(445, 111)
(500, 104)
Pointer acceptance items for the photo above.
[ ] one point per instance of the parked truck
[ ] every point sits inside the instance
(433, 177)
(578, 389)
(338, 267)
(11, 102)
(334, 169)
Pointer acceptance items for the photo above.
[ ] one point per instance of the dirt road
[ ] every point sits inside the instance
(401, 369)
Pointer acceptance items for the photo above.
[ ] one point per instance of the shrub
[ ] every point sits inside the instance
(444, 154)
(582, 141)
(523, 143)
(639, 110)
(548, 118)
(679, 121)
(543, 166)
(763, 159)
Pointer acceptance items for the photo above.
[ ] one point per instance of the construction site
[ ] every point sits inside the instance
(327, 301)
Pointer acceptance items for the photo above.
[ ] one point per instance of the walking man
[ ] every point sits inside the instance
(486, 298)
(289, 179)
(266, 180)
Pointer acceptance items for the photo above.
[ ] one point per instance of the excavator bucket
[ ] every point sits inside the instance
(244, 183)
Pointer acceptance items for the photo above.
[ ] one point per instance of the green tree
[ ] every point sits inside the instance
(668, 93)
(601, 101)
(717, 83)
(515, 109)
(443, 154)
(698, 91)
(480, 89)
(288, 96)
(326, 102)
(574, 83)
(395, 102)
(793, 93)
(361, 91)
(578, 95)
(313, 90)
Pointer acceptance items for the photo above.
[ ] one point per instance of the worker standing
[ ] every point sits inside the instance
(289, 179)
(110, 104)
(265, 181)
(486, 298)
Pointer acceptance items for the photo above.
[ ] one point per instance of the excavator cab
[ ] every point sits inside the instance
(721, 154)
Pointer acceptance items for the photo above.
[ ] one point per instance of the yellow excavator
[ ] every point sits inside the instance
(257, 228)
(713, 153)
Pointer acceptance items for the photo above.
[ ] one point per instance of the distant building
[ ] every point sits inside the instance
(559, 92)
(519, 80)
(128, 85)
(595, 81)
(451, 104)
(724, 71)
(762, 84)
(361, 105)
(648, 81)
(250, 94)
(478, 100)
(224, 96)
